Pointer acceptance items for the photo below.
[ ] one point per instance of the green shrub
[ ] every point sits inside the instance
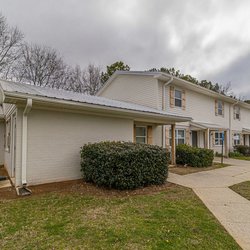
(243, 150)
(124, 165)
(194, 157)
(235, 154)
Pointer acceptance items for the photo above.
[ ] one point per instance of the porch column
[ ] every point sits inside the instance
(173, 149)
(207, 138)
(226, 142)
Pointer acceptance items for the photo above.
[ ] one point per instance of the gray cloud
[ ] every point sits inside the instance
(202, 38)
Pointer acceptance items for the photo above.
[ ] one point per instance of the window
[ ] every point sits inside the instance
(236, 139)
(141, 134)
(179, 136)
(237, 112)
(177, 98)
(219, 138)
(220, 107)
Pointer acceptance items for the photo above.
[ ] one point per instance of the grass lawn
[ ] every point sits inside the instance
(182, 170)
(243, 189)
(168, 217)
(245, 158)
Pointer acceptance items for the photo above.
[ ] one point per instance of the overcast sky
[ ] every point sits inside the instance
(207, 39)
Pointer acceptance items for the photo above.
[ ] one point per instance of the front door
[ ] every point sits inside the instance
(194, 139)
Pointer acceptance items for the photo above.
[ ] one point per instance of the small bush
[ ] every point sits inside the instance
(124, 165)
(243, 150)
(194, 157)
(235, 154)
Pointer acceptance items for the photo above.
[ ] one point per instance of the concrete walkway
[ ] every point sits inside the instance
(231, 209)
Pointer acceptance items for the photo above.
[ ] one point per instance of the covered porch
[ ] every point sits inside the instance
(246, 136)
(210, 136)
(153, 133)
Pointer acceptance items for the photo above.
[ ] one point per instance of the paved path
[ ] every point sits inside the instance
(231, 209)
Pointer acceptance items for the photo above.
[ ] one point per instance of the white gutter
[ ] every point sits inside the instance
(24, 140)
(164, 108)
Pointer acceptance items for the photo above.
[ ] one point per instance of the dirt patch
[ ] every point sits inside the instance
(3, 171)
(183, 170)
(83, 188)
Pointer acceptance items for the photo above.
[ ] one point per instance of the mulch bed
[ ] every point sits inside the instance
(82, 188)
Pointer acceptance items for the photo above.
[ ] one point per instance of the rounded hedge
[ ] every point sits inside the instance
(194, 157)
(124, 165)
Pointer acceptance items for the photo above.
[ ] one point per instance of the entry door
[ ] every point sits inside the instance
(194, 139)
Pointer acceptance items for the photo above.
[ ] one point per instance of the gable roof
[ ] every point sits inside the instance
(178, 81)
(11, 90)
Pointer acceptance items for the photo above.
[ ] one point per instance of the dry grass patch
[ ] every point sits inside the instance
(183, 170)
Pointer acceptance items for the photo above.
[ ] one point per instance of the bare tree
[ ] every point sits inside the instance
(10, 44)
(41, 66)
(84, 81)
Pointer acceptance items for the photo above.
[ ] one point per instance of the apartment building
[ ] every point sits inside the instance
(216, 119)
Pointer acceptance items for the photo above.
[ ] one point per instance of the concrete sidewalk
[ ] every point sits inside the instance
(231, 209)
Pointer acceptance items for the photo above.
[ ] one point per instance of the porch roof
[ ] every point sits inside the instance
(18, 93)
(204, 125)
(246, 131)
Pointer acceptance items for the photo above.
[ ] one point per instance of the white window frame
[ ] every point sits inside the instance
(177, 98)
(141, 136)
(237, 112)
(220, 110)
(236, 142)
(218, 140)
(177, 136)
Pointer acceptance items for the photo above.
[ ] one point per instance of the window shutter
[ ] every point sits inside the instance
(234, 112)
(187, 135)
(171, 96)
(233, 138)
(135, 133)
(241, 139)
(223, 108)
(167, 137)
(216, 107)
(213, 138)
(239, 114)
(183, 99)
(149, 135)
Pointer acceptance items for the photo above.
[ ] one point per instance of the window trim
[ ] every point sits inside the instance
(176, 136)
(220, 109)
(239, 140)
(219, 138)
(140, 136)
(237, 112)
(177, 98)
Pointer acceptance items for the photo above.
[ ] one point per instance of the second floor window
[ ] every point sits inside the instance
(220, 107)
(237, 112)
(177, 98)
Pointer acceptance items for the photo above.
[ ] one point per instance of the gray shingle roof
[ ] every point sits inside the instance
(27, 89)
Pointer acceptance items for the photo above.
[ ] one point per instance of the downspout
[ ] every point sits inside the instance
(24, 140)
(164, 108)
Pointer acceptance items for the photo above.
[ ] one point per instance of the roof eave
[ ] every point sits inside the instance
(20, 99)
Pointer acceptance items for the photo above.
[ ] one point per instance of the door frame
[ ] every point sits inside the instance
(13, 145)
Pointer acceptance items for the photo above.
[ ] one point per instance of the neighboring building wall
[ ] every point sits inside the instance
(134, 88)
(55, 138)
(2, 128)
